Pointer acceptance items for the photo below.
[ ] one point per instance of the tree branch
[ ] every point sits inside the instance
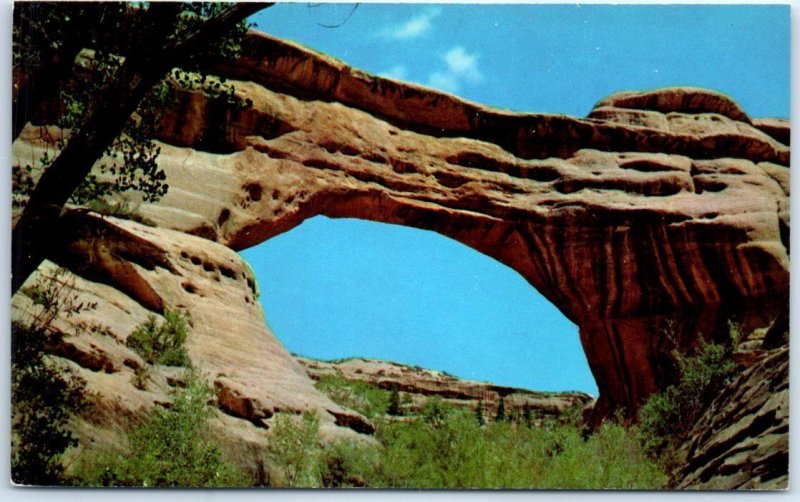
(141, 70)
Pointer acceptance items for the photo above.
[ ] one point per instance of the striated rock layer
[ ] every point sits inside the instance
(649, 223)
(742, 440)
(415, 385)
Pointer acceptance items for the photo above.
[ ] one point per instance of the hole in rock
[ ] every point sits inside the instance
(337, 288)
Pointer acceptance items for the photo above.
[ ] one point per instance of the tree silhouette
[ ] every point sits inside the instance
(48, 36)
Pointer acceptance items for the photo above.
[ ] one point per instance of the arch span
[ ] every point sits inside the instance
(661, 217)
(343, 288)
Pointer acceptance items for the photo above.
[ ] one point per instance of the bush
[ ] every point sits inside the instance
(668, 416)
(349, 464)
(452, 450)
(295, 451)
(162, 343)
(362, 397)
(448, 447)
(43, 397)
(173, 448)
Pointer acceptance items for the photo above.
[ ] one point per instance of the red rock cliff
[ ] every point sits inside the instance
(649, 223)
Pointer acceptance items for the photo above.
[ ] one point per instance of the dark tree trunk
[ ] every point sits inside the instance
(34, 233)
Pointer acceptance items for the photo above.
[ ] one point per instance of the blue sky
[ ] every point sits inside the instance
(338, 288)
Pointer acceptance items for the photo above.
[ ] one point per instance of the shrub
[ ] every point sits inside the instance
(43, 397)
(141, 375)
(123, 208)
(349, 464)
(174, 448)
(446, 447)
(362, 397)
(394, 403)
(668, 416)
(162, 343)
(295, 451)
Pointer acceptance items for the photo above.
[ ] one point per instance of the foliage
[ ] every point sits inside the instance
(119, 208)
(141, 375)
(162, 343)
(295, 452)
(446, 447)
(667, 417)
(103, 34)
(394, 403)
(173, 448)
(42, 396)
(362, 397)
(349, 464)
(454, 451)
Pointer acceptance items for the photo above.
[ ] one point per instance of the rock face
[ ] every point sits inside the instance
(129, 272)
(651, 222)
(415, 385)
(742, 440)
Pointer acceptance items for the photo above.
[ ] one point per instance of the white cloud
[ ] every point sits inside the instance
(460, 67)
(398, 72)
(463, 64)
(414, 27)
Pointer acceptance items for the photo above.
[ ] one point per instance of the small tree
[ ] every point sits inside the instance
(42, 396)
(174, 448)
(162, 343)
(394, 403)
(501, 410)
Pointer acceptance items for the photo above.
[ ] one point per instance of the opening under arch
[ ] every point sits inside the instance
(335, 288)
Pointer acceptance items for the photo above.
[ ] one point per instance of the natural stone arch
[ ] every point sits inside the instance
(643, 250)
(647, 224)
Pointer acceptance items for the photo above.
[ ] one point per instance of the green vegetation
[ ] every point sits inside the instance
(394, 403)
(452, 450)
(445, 447)
(173, 448)
(362, 397)
(43, 396)
(668, 416)
(295, 452)
(162, 343)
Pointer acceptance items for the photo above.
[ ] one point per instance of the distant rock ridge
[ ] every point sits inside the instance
(418, 384)
(649, 224)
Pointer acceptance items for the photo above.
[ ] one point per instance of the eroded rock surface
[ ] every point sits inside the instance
(649, 223)
(653, 221)
(742, 440)
(416, 385)
(135, 271)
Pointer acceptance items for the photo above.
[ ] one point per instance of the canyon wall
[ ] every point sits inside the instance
(657, 219)
(650, 223)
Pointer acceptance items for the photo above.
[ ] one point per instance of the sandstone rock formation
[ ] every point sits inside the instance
(742, 440)
(416, 385)
(649, 223)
